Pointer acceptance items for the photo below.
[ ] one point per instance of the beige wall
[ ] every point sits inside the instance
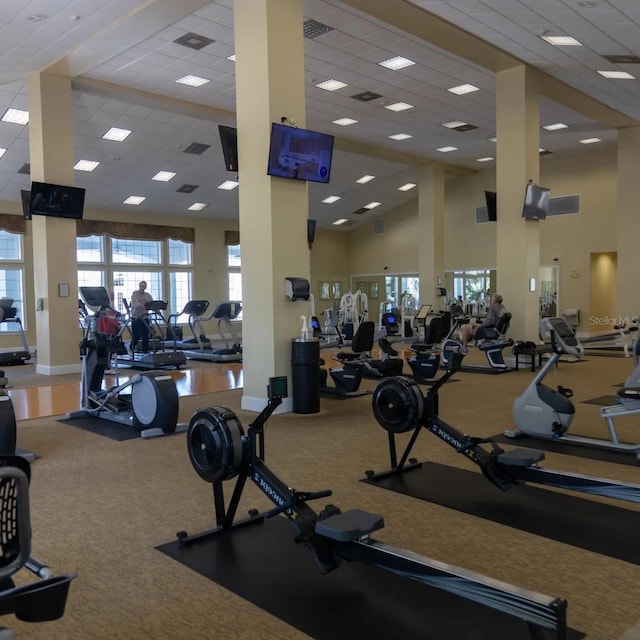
(468, 245)
(349, 257)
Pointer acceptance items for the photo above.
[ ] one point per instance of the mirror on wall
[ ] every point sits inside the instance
(548, 298)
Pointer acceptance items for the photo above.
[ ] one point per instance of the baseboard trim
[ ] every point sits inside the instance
(253, 403)
(58, 370)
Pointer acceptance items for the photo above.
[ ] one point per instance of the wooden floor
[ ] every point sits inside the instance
(59, 398)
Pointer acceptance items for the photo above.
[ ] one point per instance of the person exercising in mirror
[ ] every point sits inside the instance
(480, 331)
(139, 326)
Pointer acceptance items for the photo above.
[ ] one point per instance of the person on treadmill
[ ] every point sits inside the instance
(480, 331)
(139, 326)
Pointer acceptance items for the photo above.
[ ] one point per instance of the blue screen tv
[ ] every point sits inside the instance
(536, 202)
(299, 154)
(56, 201)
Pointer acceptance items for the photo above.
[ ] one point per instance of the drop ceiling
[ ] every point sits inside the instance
(124, 61)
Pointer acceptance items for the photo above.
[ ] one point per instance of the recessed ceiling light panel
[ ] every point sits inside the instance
(85, 165)
(116, 134)
(447, 149)
(344, 122)
(366, 178)
(331, 85)
(198, 206)
(589, 140)
(562, 41)
(486, 159)
(339, 222)
(331, 199)
(407, 187)
(461, 89)
(617, 75)
(556, 126)
(135, 200)
(400, 136)
(192, 81)
(399, 106)
(164, 176)
(395, 63)
(15, 116)
(228, 185)
(372, 205)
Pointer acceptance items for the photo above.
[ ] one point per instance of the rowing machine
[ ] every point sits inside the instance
(220, 450)
(399, 407)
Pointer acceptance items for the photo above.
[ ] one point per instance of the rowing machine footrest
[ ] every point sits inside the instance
(520, 457)
(350, 525)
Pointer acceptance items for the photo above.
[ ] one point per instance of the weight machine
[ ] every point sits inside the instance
(220, 450)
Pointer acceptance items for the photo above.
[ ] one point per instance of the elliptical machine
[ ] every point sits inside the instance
(542, 412)
(147, 402)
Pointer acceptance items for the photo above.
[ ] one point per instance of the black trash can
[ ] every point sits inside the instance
(305, 375)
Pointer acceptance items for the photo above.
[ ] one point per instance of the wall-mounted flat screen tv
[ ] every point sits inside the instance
(299, 154)
(491, 198)
(229, 141)
(536, 202)
(56, 201)
(26, 203)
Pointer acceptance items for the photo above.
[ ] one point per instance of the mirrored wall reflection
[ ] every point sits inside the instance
(387, 292)
(471, 289)
(548, 298)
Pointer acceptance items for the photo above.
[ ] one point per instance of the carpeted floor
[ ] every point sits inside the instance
(100, 507)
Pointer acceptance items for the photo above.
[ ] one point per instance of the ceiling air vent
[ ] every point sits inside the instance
(482, 215)
(194, 41)
(563, 205)
(378, 226)
(197, 148)
(625, 58)
(464, 127)
(187, 188)
(25, 168)
(360, 211)
(366, 96)
(313, 29)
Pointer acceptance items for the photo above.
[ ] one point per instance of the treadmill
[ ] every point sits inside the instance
(194, 309)
(8, 314)
(97, 298)
(232, 351)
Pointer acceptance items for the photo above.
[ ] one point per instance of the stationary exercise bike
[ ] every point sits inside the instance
(400, 407)
(220, 450)
(147, 401)
(542, 412)
(492, 345)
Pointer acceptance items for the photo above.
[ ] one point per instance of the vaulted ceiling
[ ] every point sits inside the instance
(126, 56)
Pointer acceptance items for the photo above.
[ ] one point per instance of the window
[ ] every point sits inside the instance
(471, 286)
(180, 275)
(396, 287)
(12, 275)
(234, 276)
(136, 251)
(90, 249)
(120, 264)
